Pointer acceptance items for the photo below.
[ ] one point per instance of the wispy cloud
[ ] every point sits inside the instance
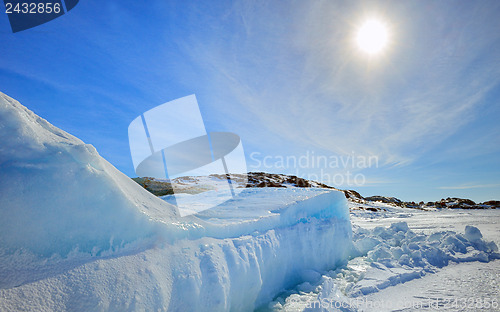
(286, 77)
(300, 78)
(469, 186)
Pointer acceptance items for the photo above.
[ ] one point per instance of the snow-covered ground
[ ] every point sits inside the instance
(78, 235)
(410, 260)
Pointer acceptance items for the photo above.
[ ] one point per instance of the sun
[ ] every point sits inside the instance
(372, 36)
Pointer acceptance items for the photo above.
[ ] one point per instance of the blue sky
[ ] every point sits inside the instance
(288, 78)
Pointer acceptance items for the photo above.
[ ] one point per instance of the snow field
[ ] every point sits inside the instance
(382, 258)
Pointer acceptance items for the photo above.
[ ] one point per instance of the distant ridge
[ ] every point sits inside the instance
(195, 185)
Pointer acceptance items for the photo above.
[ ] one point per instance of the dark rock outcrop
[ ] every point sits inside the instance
(158, 188)
(384, 199)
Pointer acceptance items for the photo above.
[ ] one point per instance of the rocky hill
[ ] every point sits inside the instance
(193, 185)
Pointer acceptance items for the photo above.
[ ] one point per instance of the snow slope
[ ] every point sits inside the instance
(56, 190)
(77, 235)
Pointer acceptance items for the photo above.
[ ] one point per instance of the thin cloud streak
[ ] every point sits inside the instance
(466, 187)
(311, 88)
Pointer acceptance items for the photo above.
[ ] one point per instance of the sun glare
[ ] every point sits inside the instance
(372, 37)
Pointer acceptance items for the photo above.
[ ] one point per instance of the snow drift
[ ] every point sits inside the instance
(78, 235)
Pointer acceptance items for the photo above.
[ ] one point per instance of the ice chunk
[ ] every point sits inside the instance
(399, 227)
(472, 233)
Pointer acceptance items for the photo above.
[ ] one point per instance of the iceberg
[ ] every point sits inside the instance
(76, 234)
